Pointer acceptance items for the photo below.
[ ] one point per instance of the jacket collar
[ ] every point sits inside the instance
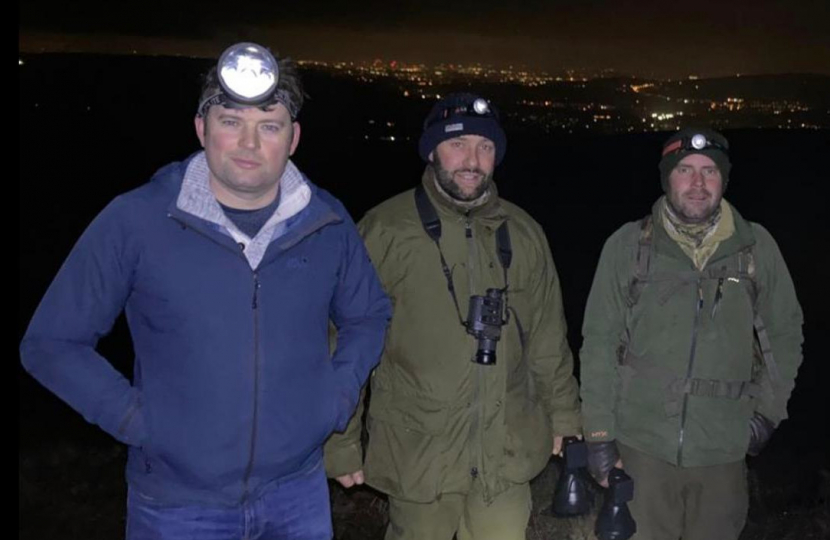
(299, 213)
(741, 239)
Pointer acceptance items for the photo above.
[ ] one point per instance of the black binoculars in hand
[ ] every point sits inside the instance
(614, 521)
(570, 498)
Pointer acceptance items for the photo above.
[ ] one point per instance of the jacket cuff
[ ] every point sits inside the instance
(132, 430)
(770, 412)
(600, 433)
(566, 424)
(342, 456)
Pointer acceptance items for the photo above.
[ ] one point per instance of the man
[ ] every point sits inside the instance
(692, 342)
(229, 266)
(475, 385)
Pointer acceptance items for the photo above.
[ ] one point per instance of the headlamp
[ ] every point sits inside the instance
(696, 142)
(479, 107)
(248, 75)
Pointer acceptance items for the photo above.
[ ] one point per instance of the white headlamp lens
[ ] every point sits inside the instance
(699, 142)
(248, 73)
(480, 106)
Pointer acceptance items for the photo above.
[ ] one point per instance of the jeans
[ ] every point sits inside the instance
(297, 509)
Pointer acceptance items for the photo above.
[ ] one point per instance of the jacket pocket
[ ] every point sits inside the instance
(406, 456)
(133, 429)
(529, 441)
(418, 414)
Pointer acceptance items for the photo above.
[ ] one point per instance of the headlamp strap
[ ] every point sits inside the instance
(673, 147)
(220, 98)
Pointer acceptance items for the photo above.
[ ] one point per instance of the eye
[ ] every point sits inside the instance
(710, 171)
(457, 144)
(270, 128)
(487, 147)
(683, 169)
(229, 122)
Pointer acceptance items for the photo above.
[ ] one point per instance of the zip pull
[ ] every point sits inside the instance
(718, 296)
(256, 290)
(468, 231)
(699, 295)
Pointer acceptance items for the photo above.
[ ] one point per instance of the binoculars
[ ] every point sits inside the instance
(484, 322)
(614, 521)
(570, 497)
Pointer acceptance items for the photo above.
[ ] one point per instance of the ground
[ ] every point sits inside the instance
(75, 489)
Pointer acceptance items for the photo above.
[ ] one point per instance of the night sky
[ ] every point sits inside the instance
(646, 38)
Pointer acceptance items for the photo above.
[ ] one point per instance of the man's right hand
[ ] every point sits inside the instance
(761, 429)
(602, 457)
(349, 480)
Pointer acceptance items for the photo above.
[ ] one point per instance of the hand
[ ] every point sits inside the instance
(760, 431)
(602, 457)
(618, 465)
(557, 444)
(349, 480)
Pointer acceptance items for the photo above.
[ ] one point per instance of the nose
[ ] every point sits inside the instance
(471, 158)
(697, 177)
(249, 138)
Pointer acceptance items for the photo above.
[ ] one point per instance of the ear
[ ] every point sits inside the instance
(430, 156)
(199, 122)
(295, 140)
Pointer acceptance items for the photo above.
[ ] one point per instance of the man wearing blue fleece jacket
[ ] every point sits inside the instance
(229, 266)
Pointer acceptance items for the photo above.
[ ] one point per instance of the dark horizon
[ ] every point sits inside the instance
(36, 43)
(653, 39)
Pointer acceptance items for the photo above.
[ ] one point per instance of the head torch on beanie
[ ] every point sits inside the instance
(690, 141)
(462, 114)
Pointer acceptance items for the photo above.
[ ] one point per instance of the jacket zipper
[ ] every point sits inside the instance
(689, 371)
(255, 308)
(249, 468)
(477, 432)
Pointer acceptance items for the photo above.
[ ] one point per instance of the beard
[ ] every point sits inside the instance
(447, 182)
(691, 213)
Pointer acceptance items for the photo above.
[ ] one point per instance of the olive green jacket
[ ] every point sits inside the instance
(675, 375)
(437, 420)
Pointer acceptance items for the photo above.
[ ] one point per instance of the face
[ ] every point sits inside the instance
(247, 151)
(695, 188)
(464, 166)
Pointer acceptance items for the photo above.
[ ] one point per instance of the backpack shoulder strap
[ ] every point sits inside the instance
(429, 217)
(503, 247)
(746, 269)
(635, 285)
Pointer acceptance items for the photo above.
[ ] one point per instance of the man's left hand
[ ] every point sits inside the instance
(557, 444)
(760, 431)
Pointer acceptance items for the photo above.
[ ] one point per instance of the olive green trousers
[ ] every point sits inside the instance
(466, 515)
(692, 503)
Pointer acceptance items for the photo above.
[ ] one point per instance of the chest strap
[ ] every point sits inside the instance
(671, 282)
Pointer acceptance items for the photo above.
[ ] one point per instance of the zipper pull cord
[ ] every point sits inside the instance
(256, 290)
(718, 296)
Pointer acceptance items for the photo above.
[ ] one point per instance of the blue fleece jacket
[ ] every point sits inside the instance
(234, 385)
